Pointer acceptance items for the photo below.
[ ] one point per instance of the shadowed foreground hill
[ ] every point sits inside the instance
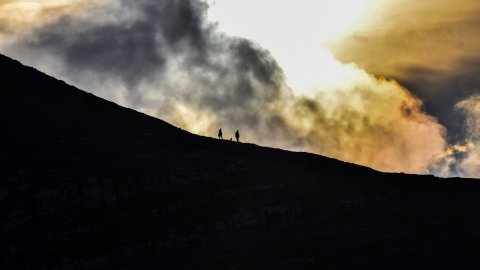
(87, 184)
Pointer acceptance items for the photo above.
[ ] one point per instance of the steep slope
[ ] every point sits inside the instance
(87, 184)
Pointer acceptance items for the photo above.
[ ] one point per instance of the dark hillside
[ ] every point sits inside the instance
(87, 184)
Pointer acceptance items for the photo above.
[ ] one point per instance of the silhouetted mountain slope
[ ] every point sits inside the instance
(87, 184)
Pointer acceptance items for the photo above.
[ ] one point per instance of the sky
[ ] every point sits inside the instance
(393, 85)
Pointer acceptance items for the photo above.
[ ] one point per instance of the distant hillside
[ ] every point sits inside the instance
(87, 184)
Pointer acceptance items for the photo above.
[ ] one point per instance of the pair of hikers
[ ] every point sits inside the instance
(220, 135)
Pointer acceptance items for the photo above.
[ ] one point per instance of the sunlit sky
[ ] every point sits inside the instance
(295, 32)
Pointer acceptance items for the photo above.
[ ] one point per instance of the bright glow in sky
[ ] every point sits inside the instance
(294, 32)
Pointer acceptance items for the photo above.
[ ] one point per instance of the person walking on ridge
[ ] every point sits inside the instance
(220, 134)
(237, 135)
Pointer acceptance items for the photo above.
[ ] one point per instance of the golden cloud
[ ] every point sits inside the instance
(19, 16)
(374, 122)
(398, 37)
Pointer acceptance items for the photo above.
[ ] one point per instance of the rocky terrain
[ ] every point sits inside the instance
(87, 184)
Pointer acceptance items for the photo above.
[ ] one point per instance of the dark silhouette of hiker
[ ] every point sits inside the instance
(237, 135)
(220, 134)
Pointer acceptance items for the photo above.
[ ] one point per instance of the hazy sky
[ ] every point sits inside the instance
(393, 85)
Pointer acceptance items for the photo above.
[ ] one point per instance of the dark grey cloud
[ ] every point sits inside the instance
(441, 90)
(130, 49)
(146, 38)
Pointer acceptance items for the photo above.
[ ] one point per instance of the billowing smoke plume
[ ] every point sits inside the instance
(372, 121)
(165, 59)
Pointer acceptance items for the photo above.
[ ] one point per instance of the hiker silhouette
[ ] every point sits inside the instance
(220, 134)
(237, 135)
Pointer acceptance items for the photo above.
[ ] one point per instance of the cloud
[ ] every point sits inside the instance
(463, 159)
(470, 164)
(374, 122)
(164, 58)
(130, 47)
(404, 34)
(432, 47)
(17, 16)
